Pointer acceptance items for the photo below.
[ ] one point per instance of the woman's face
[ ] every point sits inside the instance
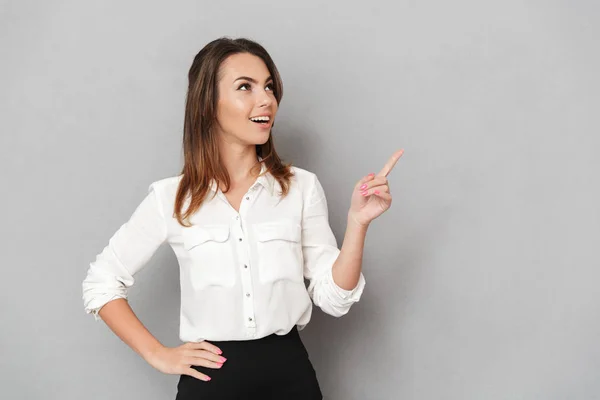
(245, 91)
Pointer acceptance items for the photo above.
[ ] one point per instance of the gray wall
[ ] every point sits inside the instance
(482, 277)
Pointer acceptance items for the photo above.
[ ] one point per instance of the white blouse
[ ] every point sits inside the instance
(241, 273)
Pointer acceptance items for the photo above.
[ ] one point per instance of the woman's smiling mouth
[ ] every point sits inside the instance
(263, 121)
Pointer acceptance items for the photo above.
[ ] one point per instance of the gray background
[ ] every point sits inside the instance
(481, 279)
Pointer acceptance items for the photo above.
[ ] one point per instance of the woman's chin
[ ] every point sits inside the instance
(262, 139)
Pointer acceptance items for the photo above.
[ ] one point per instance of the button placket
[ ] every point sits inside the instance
(246, 278)
(247, 288)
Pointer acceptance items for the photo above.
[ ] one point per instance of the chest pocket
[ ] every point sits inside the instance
(279, 251)
(211, 255)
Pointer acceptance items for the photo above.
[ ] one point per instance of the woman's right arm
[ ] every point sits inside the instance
(121, 319)
(112, 273)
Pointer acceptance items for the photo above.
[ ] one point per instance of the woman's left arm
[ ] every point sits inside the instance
(371, 198)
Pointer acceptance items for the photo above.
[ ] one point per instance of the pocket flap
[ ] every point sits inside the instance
(277, 231)
(197, 235)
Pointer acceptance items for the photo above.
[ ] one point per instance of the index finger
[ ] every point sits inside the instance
(206, 346)
(387, 168)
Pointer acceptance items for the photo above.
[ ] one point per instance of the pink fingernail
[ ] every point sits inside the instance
(371, 174)
(365, 193)
(219, 365)
(377, 192)
(223, 359)
(207, 378)
(363, 187)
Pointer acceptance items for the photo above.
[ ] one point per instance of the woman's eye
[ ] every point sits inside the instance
(246, 87)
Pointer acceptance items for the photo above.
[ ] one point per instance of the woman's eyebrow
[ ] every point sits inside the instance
(252, 79)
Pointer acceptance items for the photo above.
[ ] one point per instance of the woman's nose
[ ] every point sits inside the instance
(265, 99)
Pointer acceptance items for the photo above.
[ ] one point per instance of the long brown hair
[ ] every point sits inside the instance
(202, 163)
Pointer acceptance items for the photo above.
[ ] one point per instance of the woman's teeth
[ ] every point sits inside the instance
(261, 120)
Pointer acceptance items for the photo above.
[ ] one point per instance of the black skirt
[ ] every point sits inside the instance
(273, 367)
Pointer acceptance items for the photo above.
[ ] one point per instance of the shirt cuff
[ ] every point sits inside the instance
(347, 296)
(98, 304)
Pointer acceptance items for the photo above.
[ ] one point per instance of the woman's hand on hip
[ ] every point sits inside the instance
(180, 359)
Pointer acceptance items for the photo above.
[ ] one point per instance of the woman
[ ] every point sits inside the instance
(246, 230)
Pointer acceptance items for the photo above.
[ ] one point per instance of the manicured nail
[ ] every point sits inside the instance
(223, 359)
(365, 192)
(219, 351)
(207, 378)
(371, 174)
(219, 365)
(363, 187)
(377, 192)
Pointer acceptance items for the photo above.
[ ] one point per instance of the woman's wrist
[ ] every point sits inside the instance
(354, 221)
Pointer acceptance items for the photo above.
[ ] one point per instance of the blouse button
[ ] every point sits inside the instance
(247, 198)
(247, 294)
(250, 319)
(240, 239)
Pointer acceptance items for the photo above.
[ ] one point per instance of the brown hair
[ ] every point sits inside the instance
(202, 163)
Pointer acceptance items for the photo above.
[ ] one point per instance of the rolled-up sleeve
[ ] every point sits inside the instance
(320, 251)
(128, 250)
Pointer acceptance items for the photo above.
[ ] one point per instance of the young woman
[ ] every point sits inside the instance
(246, 230)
